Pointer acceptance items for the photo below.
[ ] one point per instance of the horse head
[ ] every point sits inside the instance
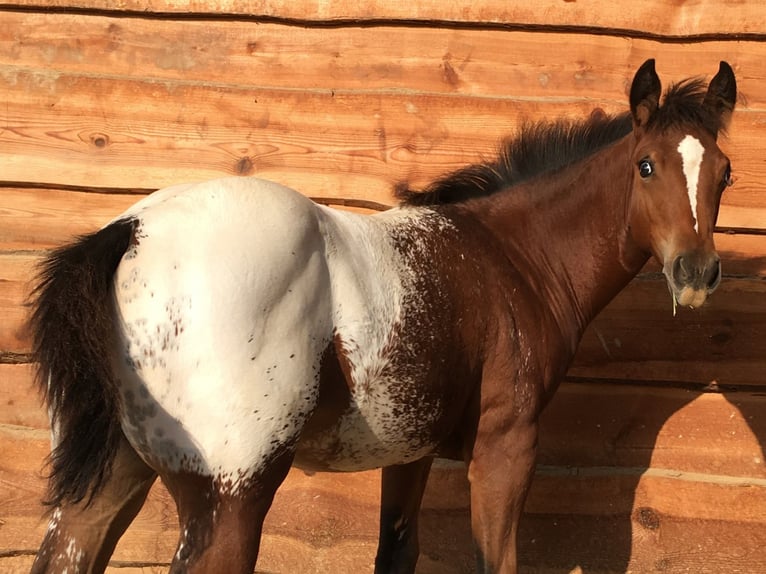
(679, 177)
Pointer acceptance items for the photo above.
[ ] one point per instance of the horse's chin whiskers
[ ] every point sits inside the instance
(687, 297)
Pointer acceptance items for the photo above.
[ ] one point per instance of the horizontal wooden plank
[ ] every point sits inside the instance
(637, 337)
(20, 404)
(742, 255)
(341, 530)
(649, 543)
(36, 219)
(45, 218)
(589, 425)
(23, 564)
(257, 56)
(141, 146)
(340, 151)
(704, 18)
(637, 426)
(148, 134)
(16, 273)
(548, 545)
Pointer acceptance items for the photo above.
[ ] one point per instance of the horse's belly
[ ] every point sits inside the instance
(370, 436)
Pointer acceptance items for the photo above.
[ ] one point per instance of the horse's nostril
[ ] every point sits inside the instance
(697, 271)
(680, 272)
(714, 274)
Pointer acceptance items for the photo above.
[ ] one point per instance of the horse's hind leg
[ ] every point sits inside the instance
(221, 523)
(81, 537)
(401, 493)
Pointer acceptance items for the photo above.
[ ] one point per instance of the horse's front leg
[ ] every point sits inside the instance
(402, 490)
(500, 470)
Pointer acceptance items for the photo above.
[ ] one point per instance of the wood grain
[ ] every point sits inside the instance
(588, 425)
(340, 530)
(637, 337)
(422, 60)
(613, 425)
(440, 102)
(20, 404)
(728, 17)
(34, 219)
(41, 219)
(349, 146)
(645, 543)
(580, 545)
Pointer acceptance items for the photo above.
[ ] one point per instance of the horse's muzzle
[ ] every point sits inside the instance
(692, 277)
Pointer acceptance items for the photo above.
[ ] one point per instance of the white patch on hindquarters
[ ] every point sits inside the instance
(692, 152)
(224, 311)
(226, 304)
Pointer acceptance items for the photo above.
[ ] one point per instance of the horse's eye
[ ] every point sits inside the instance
(727, 180)
(645, 168)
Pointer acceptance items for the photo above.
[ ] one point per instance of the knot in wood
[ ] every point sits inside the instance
(648, 518)
(244, 166)
(99, 140)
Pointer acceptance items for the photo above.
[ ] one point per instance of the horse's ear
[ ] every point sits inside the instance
(645, 93)
(722, 94)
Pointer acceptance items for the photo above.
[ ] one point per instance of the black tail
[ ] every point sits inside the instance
(73, 330)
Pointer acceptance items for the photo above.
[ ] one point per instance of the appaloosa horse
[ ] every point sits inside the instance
(217, 333)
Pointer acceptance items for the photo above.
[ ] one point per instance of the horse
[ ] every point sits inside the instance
(217, 333)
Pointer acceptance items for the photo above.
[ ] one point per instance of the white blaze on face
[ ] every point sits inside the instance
(691, 151)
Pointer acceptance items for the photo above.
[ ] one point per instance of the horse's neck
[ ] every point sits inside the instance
(570, 232)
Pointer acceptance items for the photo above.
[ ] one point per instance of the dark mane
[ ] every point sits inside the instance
(540, 147)
(545, 147)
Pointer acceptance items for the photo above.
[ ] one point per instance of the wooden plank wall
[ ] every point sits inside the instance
(652, 456)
